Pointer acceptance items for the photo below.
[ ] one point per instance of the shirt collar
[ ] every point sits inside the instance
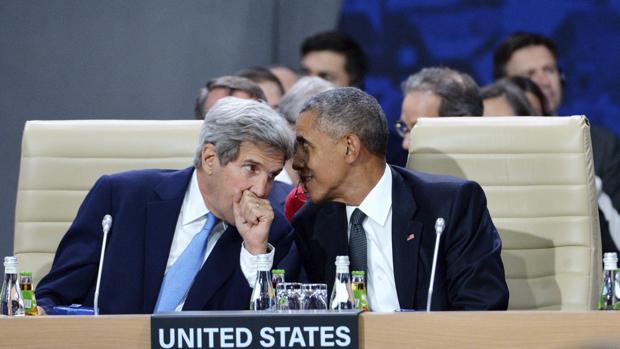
(378, 203)
(193, 204)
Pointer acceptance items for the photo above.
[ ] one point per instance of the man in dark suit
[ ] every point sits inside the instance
(182, 240)
(384, 216)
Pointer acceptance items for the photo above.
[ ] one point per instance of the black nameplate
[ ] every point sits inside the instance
(248, 329)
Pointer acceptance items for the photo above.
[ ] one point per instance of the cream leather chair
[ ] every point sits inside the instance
(538, 176)
(61, 160)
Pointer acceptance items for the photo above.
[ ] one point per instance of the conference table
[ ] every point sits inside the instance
(510, 329)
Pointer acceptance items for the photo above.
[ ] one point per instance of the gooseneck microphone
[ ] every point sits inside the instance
(106, 224)
(440, 225)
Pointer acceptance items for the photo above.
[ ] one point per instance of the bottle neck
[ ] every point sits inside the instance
(10, 269)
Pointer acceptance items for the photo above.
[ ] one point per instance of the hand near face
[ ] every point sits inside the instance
(253, 218)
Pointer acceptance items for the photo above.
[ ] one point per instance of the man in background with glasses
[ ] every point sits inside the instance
(437, 92)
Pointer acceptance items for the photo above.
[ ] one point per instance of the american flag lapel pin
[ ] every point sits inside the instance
(410, 237)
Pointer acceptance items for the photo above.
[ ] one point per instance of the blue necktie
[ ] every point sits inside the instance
(181, 274)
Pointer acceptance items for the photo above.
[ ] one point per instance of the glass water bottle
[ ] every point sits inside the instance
(342, 297)
(263, 297)
(608, 299)
(12, 303)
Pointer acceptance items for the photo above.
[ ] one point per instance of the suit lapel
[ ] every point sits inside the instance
(331, 230)
(406, 237)
(222, 262)
(161, 219)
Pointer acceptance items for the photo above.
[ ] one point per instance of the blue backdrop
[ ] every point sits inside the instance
(400, 37)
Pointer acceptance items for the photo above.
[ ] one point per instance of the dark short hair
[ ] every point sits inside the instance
(355, 59)
(459, 92)
(527, 85)
(349, 110)
(230, 82)
(261, 74)
(513, 94)
(518, 40)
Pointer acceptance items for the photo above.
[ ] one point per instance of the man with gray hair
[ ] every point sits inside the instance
(182, 239)
(437, 92)
(385, 218)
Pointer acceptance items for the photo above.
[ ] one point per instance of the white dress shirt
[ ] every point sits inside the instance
(192, 218)
(377, 206)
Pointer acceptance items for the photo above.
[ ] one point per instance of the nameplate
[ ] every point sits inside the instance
(249, 329)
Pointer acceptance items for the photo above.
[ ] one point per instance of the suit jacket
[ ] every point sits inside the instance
(145, 206)
(470, 273)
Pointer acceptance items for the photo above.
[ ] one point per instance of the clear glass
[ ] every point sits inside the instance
(263, 297)
(289, 296)
(315, 296)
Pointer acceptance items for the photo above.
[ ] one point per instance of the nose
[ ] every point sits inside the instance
(405, 144)
(541, 79)
(262, 185)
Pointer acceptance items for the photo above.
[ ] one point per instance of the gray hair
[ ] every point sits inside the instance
(300, 92)
(232, 121)
(459, 93)
(349, 110)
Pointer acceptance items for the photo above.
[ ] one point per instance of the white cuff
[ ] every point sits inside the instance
(248, 262)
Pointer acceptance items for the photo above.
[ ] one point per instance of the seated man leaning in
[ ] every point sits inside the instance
(182, 239)
(384, 216)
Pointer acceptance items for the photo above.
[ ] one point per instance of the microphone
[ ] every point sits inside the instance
(106, 224)
(440, 225)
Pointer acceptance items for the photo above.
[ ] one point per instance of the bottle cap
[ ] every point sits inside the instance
(10, 264)
(610, 260)
(25, 273)
(358, 273)
(342, 260)
(277, 271)
(263, 263)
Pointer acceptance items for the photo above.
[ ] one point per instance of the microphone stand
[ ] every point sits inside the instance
(106, 225)
(440, 225)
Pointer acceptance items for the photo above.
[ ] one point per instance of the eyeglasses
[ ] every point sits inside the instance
(401, 128)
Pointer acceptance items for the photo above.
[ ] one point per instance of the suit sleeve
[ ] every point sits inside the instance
(72, 277)
(475, 274)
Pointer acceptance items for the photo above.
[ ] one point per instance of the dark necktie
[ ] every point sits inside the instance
(357, 242)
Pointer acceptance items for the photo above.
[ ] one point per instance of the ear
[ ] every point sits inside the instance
(353, 146)
(209, 158)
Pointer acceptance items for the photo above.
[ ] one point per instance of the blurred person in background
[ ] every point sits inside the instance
(286, 75)
(437, 91)
(505, 98)
(334, 57)
(268, 82)
(223, 86)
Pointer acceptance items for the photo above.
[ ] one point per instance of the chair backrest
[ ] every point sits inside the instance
(538, 176)
(61, 160)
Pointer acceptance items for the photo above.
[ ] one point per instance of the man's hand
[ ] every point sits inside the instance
(253, 218)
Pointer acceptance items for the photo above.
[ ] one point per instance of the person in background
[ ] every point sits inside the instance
(536, 57)
(505, 98)
(268, 82)
(224, 86)
(384, 217)
(433, 92)
(534, 94)
(286, 75)
(334, 57)
(182, 239)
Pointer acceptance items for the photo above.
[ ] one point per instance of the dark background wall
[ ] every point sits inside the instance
(77, 59)
(403, 36)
